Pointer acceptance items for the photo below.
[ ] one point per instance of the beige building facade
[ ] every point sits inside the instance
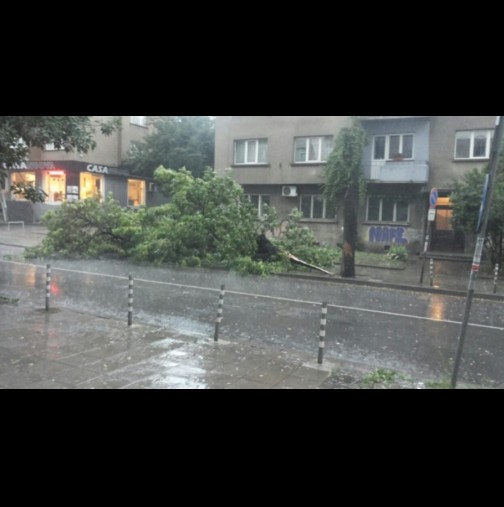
(72, 176)
(280, 160)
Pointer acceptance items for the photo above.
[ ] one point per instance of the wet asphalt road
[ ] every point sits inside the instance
(418, 346)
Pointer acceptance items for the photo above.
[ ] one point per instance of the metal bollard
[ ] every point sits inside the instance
(496, 278)
(322, 333)
(218, 320)
(431, 272)
(130, 301)
(48, 288)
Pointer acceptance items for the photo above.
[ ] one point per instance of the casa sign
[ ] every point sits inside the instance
(99, 169)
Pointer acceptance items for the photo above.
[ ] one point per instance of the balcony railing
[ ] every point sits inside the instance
(405, 171)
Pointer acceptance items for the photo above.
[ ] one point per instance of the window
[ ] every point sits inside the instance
(141, 121)
(473, 145)
(251, 151)
(316, 207)
(91, 186)
(312, 149)
(28, 178)
(55, 186)
(387, 209)
(393, 146)
(259, 201)
(52, 147)
(136, 193)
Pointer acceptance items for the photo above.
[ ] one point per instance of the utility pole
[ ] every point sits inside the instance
(486, 204)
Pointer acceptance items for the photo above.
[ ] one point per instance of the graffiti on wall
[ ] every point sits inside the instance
(385, 234)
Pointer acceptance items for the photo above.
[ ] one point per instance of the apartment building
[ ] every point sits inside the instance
(75, 176)
(279, 160)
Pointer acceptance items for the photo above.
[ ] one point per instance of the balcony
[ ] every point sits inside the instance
(405, 171)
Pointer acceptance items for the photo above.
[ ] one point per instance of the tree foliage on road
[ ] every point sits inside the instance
(177, 141)
(466, 199)
(20, 133)
(208, 222)
(344, 178)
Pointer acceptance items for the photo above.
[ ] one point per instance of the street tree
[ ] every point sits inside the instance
(20, 133)
(344, 179)
(466, 199)
(176, 141)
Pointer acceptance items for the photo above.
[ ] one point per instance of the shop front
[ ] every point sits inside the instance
(74, 181)
(71, 181)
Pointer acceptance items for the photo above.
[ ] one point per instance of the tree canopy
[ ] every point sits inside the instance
(466, 199)
(344, 178)
(177, 141)
(20, 133)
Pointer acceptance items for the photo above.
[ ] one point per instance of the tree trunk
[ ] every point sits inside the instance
(349, 231)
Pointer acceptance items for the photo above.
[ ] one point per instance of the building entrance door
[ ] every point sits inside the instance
(444, 236)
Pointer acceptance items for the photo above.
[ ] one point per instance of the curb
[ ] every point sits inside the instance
(395, 286)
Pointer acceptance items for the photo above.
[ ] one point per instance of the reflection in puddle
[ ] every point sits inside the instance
(437, 308)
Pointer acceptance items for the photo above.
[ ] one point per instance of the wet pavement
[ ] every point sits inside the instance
(66, 350)
(270, 330)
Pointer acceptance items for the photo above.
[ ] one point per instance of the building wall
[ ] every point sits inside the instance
(444, 168)
(420, 127)
(119, 188)
(280, 132)
(110, 150)
(129, 134)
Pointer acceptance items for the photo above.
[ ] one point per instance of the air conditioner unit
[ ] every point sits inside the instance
(288, 191)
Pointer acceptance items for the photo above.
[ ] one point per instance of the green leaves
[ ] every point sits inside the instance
(344, 166)
(177, 141)
(20, 133)
(207, 219)
(466, 199)
(28, 191)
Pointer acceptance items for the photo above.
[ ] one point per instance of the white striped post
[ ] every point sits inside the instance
(130, 301)
(322, 333)
(48, 288)
(496, 278)
(218, 320)
(431, 272)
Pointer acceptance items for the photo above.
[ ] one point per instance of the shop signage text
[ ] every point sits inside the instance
(100, 169)
(30, 166)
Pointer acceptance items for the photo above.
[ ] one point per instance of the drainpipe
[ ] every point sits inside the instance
(119, 143)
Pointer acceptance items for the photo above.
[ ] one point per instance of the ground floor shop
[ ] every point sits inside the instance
(70, 181)
(390, 214)
(74, 181)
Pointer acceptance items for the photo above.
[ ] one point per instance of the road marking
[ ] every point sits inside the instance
(262, 296)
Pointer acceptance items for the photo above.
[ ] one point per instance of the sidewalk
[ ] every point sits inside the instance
(14, 242)
(450, 278)
(66, 350)
(69, 350)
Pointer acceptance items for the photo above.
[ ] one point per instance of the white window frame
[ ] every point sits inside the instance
(380, 214)
(139, 121)
(307, 160)
(260, 202)
(51, 147)
(489, 137)
(312, 200)
(387, 146)
(248, 143)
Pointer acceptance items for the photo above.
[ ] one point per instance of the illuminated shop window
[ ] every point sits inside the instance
(136, 193)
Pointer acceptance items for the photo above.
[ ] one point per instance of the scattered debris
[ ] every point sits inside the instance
(8, 301)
